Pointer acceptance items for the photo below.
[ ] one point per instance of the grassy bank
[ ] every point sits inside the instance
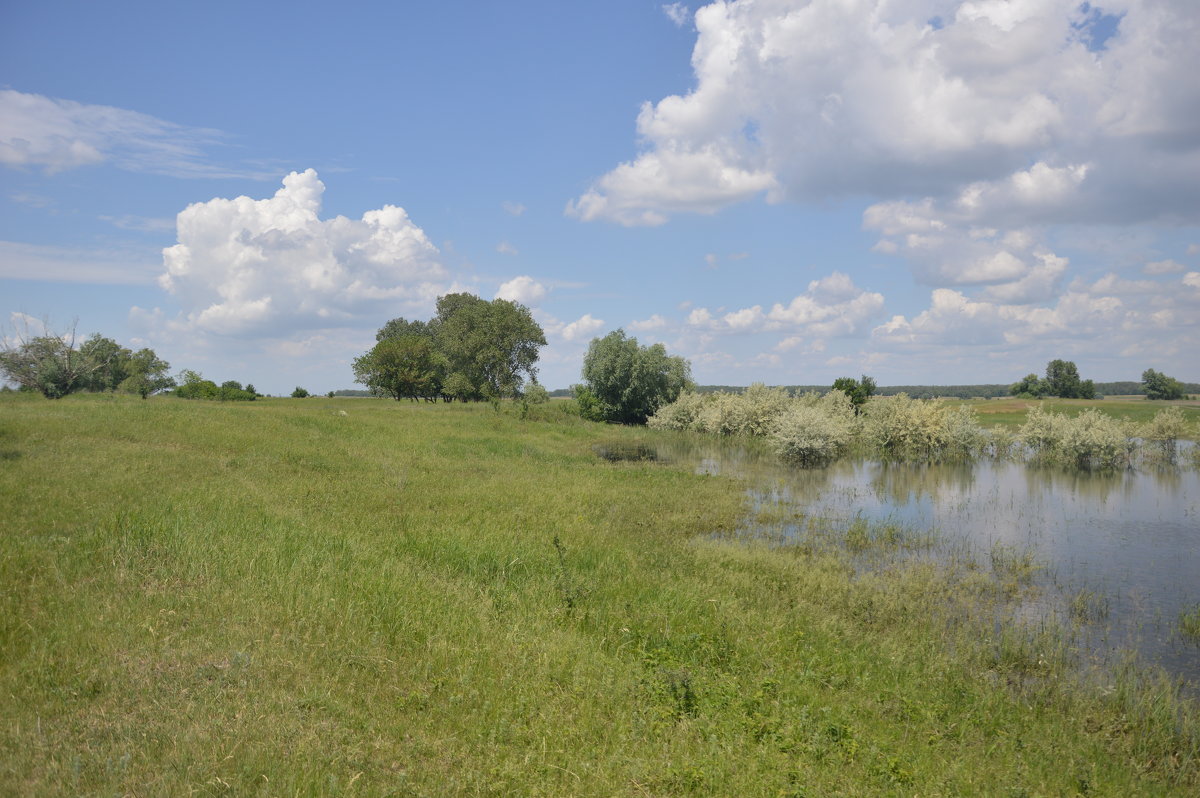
(352, 597)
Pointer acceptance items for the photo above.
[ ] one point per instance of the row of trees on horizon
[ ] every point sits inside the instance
(477, 350)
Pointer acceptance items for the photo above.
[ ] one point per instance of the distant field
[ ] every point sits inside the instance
(1012, 412)
(346, 597)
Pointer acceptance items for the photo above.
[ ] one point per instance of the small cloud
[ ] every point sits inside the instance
(513, 208)
(739, 255)
(32, 200)
(655, 322)
(523, 289)
(144, 224)
(711, 260)
(677, 13)
(1193, 249)
(582, 327)
(1163, 267)
(505, 248)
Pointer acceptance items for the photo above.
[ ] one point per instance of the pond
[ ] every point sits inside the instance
(1128, 542)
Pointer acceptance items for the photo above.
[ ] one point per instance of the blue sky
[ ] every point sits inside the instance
(787, 191)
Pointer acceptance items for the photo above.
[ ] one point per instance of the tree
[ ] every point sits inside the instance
(300, 393)
(1029, 387)
(1062, 380)
(50, 364)
(400, 327)
(146, 373)
(494, 345)
(859, 391)
(192, 385)
(1157, 385)
(631, 382)
(407, 366)
(111, 361)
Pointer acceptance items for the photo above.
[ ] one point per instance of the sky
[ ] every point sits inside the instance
(781, 191)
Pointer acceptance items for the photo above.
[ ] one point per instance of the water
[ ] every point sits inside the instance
(1131, 538)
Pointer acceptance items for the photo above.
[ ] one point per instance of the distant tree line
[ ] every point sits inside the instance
(471, 350)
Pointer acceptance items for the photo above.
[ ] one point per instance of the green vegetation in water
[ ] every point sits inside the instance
(344, 597)
(814, 429)
(1189, 623)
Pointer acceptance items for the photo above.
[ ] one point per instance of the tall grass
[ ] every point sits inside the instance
(358, 597)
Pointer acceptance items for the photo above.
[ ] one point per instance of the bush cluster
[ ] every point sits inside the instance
(811, 429)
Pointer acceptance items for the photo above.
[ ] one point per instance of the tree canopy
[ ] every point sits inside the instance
(627, 383)
(1061, 380)
(471, 349)
(859, 391)
(1157, 385)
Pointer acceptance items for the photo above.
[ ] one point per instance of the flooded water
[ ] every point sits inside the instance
(1129, 538)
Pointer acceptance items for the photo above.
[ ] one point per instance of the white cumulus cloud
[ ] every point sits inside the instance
(523, 289)
(584, 327)
(807, 99)
(270, 266)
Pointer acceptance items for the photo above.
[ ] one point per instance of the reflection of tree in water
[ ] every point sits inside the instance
(1100, 485)
(901, 483)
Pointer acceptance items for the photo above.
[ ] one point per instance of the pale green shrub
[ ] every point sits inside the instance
(680, 414)
(1001, 442)
(1041, 432)
(811, 434)
(722, 414)
(898, 426)
(761, 406)
(1089, 440)
(1093, 439)
(1164, 430)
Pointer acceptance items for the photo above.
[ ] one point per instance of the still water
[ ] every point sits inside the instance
(1131, 538)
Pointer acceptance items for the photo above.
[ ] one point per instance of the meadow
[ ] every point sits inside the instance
(367, 597)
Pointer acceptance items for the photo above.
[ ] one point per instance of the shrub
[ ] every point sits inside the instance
(1089, 440)
(1162, 431)
(536, 395)
(812, 434)
(921, 429)
(680, 414)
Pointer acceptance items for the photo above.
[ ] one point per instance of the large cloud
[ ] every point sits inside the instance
(1101, 319)
(808, 99)
(57, 135)
(273, 266)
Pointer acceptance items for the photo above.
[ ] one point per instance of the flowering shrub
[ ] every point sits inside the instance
(1162, 431)
(813, 434)
(901, 427)
(1089, 440)
(812, 428)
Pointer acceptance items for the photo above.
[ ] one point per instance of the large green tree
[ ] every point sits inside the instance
(627, 383)
(146, 373)
(110, 360)
(407, 366)
(53, 365)
(1062, 380)
(472, 349)
(493, 346)
(1157, 385)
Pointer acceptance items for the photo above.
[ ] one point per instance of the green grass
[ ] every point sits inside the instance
(278, 599)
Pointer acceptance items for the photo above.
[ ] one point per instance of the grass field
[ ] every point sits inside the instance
(1011, 412)
(357, 597)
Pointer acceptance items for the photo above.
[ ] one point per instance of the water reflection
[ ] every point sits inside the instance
(1132, 537)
